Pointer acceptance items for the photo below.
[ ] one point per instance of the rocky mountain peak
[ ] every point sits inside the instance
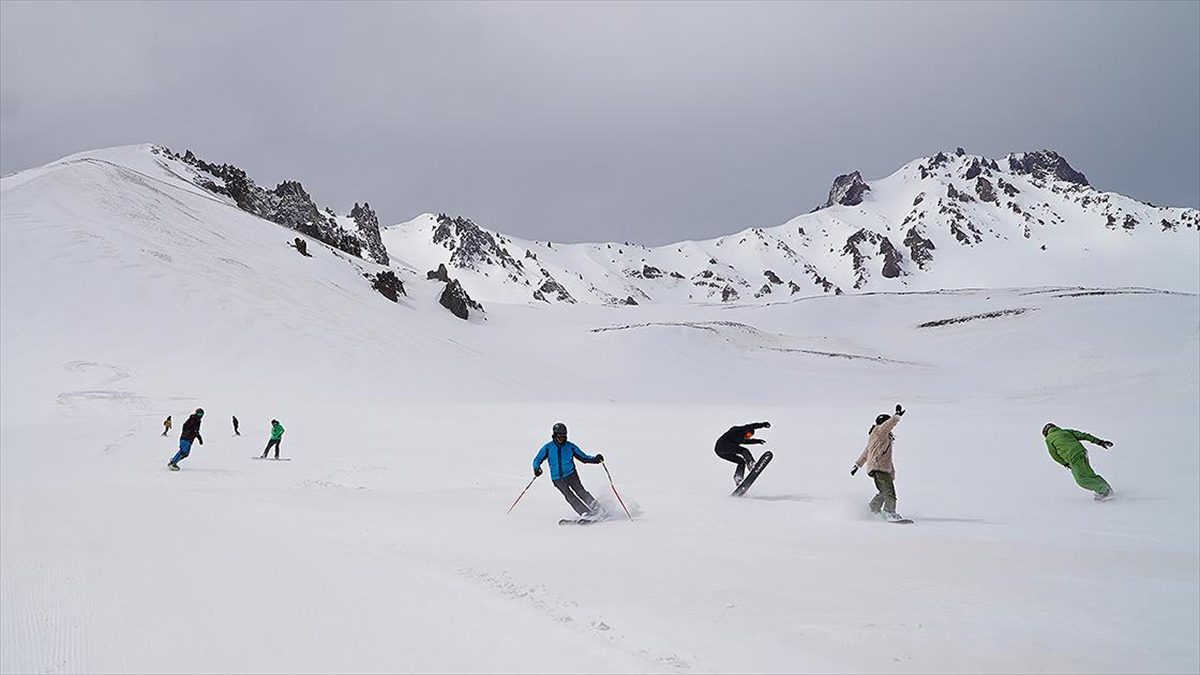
(1043, 164)
(848, 190)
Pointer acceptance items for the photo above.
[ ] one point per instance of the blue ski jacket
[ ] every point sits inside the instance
(562, 458)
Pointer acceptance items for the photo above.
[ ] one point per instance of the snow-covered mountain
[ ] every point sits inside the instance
(129, 291)
(950, 220)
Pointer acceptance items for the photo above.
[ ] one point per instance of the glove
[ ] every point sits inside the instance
(599, 458)
(1106, 444)
(537, 471)
(766, 425)
(899, 410)
(853, 469)
(200, 439)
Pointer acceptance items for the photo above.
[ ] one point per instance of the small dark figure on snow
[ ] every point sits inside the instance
(729, 447)
(276, 436)
(235, 427)
(191, 432)
(1066, 449)
(562, 453)
(877, 457)
(167, 425)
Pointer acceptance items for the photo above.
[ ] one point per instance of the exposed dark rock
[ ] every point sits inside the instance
(983, 188)
(676, 275)
(440, 274)
(728, 293)
(793, 287)
(1009, 189)
(387, 284)
(974, 170)
(772, 277)
(1043, 164)
(919, 248)
(1130, 222)
(301, 246)
(953, 193)
(938, 160)
(892, 259)
(959, 151)
(1168, 225)
(920, 198)
(629, 301)
(649, 272)
(550, 286)
(765, 290)
(848, 190)
(455, 299)
(368, 231)
(470, 246)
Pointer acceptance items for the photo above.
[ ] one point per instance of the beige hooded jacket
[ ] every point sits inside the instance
(877, 456)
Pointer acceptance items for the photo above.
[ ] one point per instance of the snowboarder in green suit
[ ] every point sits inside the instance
(1066, 449)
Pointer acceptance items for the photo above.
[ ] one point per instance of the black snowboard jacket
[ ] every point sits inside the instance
(191, 429)
(737, 436)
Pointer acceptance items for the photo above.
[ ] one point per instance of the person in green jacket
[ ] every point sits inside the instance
(276, 436)
(1066, 449)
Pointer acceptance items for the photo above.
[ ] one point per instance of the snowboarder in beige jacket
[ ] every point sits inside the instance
(877, 458)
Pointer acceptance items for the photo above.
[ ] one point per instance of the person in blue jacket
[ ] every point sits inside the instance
(562, 454)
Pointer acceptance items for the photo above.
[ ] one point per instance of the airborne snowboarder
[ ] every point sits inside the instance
(729, 447)
(1066, 449)
(877, 457)
(561, 454)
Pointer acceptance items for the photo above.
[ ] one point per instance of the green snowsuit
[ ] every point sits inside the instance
(1066, 449)
(276, 431)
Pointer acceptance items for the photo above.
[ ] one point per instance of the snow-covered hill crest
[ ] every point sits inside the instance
(950, 220)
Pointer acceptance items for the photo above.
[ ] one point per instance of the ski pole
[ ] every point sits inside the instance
(520, 495)
(614, 489)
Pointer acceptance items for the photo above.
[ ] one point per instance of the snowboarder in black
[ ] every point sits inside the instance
(729, 447)
(235, 425)
(191, 432)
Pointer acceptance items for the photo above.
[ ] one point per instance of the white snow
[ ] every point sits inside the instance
(127, 294)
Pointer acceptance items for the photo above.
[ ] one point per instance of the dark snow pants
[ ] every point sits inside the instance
(274, 442)
(577, 497)
(738, 455)
(886, 486)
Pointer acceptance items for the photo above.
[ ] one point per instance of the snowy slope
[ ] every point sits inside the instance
(127, 293)
(947, 221)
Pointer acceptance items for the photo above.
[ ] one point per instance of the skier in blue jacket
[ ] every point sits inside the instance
(562, 454)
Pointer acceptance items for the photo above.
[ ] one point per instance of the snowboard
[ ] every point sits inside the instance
(577, 521)
(274, 459)
(902, 521)
(763, 460)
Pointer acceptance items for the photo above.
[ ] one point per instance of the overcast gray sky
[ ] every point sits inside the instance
(593, 122)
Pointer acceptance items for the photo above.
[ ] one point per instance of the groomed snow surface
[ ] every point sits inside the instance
(383, 546)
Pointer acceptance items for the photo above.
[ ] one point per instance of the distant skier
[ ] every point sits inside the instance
(191, 432)
(729, 447)
(877, 458)
(562, 453)
(235, 427)
(167, 425)
(276, 436)
(1066, 449)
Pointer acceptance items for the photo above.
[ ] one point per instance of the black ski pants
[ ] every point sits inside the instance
(738, 455)
(577, 497)
(274, 442)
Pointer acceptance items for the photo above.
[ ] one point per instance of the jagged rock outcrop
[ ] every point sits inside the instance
(440, 274)
(472, 247)
(848, 190)
(983, 188)
(919, 248)
(288, 204)
(1045, 163)
(301, 247)
(388, 285)
(455, 299)
(368, 232)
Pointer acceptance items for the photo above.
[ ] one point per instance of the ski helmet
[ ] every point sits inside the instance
(199, 412)
(1046, 429)
(881, 419)
(560, 429)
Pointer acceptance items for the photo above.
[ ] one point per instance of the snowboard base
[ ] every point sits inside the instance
(763, 460)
